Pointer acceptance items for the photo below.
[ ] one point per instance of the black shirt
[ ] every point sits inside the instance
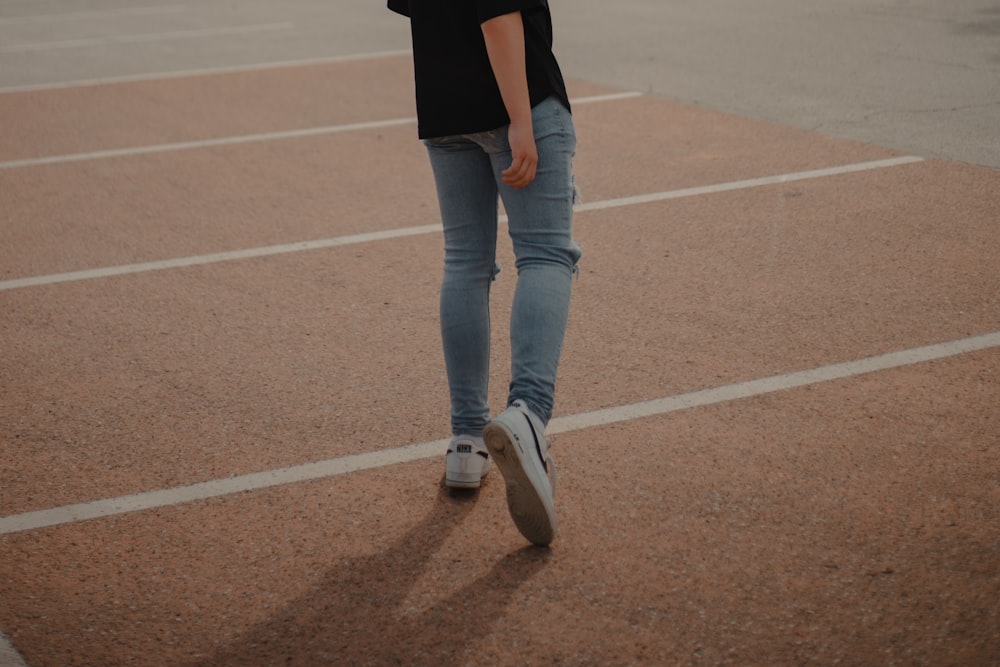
(457, 92)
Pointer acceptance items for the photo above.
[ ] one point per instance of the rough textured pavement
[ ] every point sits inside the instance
(222, 406)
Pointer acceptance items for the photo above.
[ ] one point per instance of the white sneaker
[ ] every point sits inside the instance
(516, 441)
(466, 462)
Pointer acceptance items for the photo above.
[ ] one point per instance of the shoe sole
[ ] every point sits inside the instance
(532, 515)
(453, 483)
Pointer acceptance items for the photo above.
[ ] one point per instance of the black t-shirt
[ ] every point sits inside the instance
(457, 92)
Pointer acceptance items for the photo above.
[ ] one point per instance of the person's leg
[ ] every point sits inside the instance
(468, 200)
(540, 222)
(540, 219)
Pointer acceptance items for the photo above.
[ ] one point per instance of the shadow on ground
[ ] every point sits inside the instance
(359, 614)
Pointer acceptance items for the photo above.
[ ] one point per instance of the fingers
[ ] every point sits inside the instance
(521, 172)
(524, 155)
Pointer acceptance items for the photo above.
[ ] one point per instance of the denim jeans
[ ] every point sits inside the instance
(467, 170)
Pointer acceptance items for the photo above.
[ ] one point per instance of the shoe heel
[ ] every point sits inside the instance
(496, 440)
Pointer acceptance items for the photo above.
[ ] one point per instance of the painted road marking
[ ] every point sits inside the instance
(205, 143)
(144, 38)
(9, 657)
(347, 464)
(253, 138)
(215, 258)
(302, 246)
(86, 15)
(750, 183)
(207, 71)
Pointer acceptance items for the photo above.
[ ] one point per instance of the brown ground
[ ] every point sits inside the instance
(851, 522)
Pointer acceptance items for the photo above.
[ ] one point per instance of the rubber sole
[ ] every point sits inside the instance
(453, 483)
(534, 517)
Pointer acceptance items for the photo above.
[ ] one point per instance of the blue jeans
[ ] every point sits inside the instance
(540, 218)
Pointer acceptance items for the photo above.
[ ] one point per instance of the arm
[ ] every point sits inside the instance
(504, 37)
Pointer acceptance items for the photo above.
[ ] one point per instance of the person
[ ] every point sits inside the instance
(493, 112)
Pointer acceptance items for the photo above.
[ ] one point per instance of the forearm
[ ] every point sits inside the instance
(504, 37)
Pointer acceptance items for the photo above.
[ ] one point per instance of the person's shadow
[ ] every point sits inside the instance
(355, 615)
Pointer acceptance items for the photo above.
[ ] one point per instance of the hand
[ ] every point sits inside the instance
(524, 156)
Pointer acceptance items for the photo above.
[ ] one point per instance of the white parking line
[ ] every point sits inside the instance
(204, 143)
(9, 657)
(206, 71)
(302, 246)
(86, 15)
(144, 38)
(341, 466)
(751, 183)
(215, 258)
(250, 138)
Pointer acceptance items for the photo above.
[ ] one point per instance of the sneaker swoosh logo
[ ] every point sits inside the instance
(538, 446)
